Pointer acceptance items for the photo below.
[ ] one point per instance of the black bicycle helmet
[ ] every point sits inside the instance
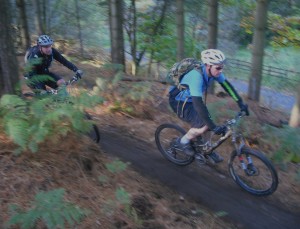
(44, 40)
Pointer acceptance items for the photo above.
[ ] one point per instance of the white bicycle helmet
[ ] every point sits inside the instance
(212, 57)
(44, 40)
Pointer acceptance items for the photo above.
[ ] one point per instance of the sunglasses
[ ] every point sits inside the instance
(219, 68)
(46, 46)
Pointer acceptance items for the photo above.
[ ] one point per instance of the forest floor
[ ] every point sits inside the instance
(80, 167)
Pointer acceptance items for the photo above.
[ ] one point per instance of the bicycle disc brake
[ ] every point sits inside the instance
(252, 170)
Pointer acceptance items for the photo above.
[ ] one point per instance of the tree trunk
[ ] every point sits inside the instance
(38, 17)
(8, 61)
(295, 115)
(44, 16)
(212, 38)
(130, 27)
(258, 49)
(150, 62)
(180, 29)
(79, 27)
(212, 24)
(26, 43)
(116, 32)
(156, 30)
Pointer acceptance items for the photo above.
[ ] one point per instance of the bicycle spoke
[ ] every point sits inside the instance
(253, 174)
(166, 138)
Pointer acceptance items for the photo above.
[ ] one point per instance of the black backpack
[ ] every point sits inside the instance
(29, 52)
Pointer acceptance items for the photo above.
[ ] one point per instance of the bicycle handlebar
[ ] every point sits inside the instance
(72, 80)
(75, 78)
(212, 144)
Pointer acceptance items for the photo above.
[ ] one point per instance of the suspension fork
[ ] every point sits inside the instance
(238, 148)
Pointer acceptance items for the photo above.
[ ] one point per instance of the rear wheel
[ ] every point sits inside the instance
(166, 136)
(253, 172)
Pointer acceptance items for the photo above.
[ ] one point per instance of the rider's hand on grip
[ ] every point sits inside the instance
(220, 130)
(244, 108)
(79, 74)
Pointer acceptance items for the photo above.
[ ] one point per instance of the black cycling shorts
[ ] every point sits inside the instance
(185, 112)
(34, 82)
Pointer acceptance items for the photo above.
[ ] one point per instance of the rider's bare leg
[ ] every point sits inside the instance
(195, 132)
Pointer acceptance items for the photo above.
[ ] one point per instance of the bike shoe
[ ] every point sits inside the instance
(186, 148)
(215, 157)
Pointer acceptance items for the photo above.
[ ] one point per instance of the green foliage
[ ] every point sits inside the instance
(284, 143)
(220, 214)
(122, 196)
(31, 122)
(30, 64)
(37, 79)
(122, 94)
(119, 106)
(103, 179)
(116, 166)
(217, 215)
(50, 208)
(122, 201)
(282, 31)
(285, 30)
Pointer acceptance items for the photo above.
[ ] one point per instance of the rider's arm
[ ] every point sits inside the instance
(227, 86)
(203, 112)
(57, 56)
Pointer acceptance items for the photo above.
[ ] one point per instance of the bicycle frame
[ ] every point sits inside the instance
(51, 91)
(248, 167)
(237, 138)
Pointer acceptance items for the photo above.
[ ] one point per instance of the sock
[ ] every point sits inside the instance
(184, 140)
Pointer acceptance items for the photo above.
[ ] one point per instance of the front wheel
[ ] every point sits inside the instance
(252, 171)
(166, 136)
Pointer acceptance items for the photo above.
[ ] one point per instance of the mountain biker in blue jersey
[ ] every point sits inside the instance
(38, 59)
(188, 104)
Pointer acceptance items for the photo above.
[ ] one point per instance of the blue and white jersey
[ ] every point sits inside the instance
(197, 84)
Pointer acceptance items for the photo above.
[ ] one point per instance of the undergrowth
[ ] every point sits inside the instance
(283, 142)
(49, 207)
(123, 96)
(29, 122)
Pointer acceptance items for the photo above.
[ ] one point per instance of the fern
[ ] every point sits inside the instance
(30, 122)
(122, 196)
(17, 130)
(116, 166)
(39, 79)
(50, 208)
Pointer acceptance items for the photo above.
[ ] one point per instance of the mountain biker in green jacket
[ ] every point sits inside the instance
(38, 60)
(189, 105)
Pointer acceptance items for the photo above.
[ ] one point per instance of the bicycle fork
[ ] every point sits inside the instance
(247, 166)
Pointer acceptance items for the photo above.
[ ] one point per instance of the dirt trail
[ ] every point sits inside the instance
(203, 184)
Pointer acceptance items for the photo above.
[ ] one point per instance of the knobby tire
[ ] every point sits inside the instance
(166, 136)
(263, 181)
